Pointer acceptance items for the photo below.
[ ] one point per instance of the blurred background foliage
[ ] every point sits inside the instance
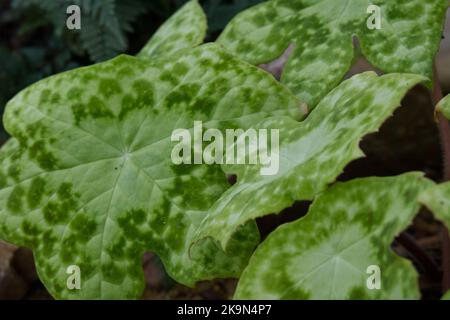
(35, 43)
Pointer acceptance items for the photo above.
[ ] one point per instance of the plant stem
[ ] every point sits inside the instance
(445, 260)
(444, 132)
(444, 128)
(429, 266)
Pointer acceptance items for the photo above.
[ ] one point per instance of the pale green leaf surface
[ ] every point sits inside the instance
(185, 29)
(326, 254)
(88, 179)
(322, 32)
(312, 153)
(444, 107)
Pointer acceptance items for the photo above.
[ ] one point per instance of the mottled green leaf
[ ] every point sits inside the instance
(185, 29)
(88, 179)
(333, 251)
(444, 107)
(322, 31)
(437, 199)
(312, 153)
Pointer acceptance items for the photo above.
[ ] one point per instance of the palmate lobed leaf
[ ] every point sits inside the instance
(312, 153)
(326, 254)
(87, 178)
(185, 29)
(322, 32)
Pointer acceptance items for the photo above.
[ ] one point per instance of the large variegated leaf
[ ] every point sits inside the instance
(341, 249)
(88, 179)
(322, 32)
(311, 153)
(185, 29)
(444, 107)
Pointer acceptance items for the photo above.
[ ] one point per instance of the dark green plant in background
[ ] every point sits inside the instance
(36, 43)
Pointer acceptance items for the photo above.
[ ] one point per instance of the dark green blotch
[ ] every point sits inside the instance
(45, 96)
(53, 213)
(56, 98)
(74, 93)
(35, 192)
(130, 221)
(160, 216)
(204, 105)
(137, 216)
(69, 251)
(188, 189)
(167, 76)
(83, 227)
(15, 200)
(65, 190)
(176, 235)
(183, 97)
(29, 228)
(109, 87)
(128, 104)
(133, 252)
(112, 274)
(14, 172)
(144, 98)
(95, 109)
(125, 72)
(22, 138)
(58, 211)
(358, 293)
(44, 158)
(87, 77)
(47, 244)
(117, 249)
(145, 92)
(180, 69)
(36, 128)
(3, 180)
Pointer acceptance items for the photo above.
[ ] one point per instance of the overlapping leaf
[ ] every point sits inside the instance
(88, 179)
(344, 240)
(322, 31)
(185, 29)
(311, 154)
(437, 199)
(444, 107)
